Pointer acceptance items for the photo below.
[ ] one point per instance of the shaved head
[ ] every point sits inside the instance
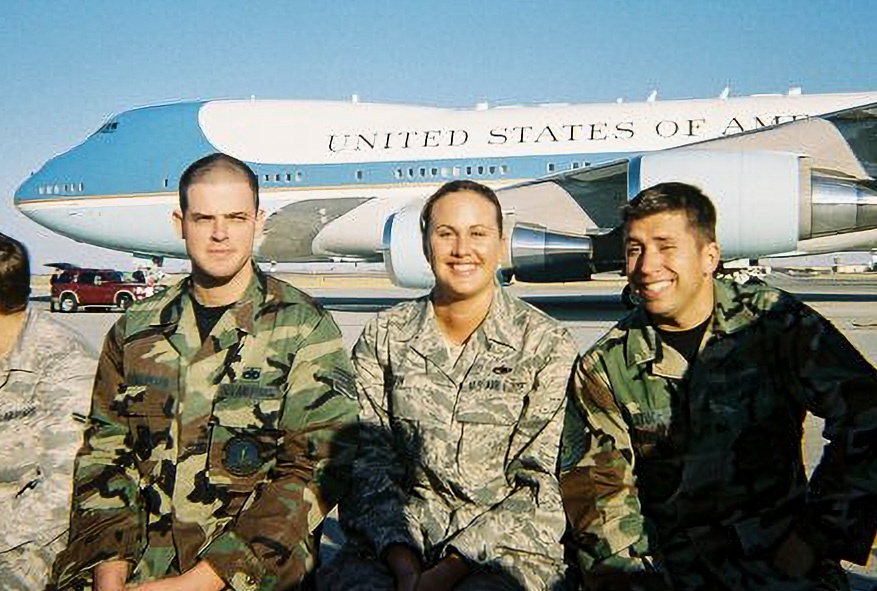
(222, 166)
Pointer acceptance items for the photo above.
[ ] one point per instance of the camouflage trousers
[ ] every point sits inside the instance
(352, 570)
(27, 567)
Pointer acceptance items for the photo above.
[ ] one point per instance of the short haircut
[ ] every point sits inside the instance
(216, 161)
(458, 187)
(14, 275)
(674, 197)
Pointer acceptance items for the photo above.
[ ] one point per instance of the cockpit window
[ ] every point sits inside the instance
(109, 127)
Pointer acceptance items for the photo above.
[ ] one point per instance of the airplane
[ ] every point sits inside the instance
(345, 181)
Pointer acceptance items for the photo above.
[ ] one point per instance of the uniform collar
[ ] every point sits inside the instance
(499, 328)
(732, 309)
(501, 325)
(730, 314)
(172, 313)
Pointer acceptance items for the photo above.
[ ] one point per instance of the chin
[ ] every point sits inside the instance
(222, 274)
(656, 308)
(464, 292)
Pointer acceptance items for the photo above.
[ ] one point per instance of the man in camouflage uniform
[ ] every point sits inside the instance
(214, 447)
(46, 372)
(682, 440)
(459, 444)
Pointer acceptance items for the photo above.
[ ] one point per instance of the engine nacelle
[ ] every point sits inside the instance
(757, 194)
(534, 254)
(403, 249)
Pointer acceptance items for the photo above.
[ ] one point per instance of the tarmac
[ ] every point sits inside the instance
(587, 309)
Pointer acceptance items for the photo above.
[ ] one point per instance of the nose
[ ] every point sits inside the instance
(220, 230)
(648, 261)
(462, 245)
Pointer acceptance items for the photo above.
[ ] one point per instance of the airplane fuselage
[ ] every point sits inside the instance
(331, 173)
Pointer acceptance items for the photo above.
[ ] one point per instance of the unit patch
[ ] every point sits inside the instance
(241, 456)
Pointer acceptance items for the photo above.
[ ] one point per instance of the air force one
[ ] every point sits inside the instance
(345, 181)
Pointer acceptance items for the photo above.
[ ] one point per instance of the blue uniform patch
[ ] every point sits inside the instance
(241, 456)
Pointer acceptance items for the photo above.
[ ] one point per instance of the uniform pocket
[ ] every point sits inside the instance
(244, 435)
(488, 411)
(491, 401)
(149, 412)
(423, 402)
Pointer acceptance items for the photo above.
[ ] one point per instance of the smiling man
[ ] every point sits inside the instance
(681, 462)
(222, 419)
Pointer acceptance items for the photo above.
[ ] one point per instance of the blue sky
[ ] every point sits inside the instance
(66, 65)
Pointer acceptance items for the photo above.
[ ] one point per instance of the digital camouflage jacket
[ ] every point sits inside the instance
(701, 467)
(462, 452)
(45, 387)
(227, 452)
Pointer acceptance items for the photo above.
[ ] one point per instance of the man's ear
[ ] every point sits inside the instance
(712, 256)
(178, 223)
(260, 222)
(258, 234)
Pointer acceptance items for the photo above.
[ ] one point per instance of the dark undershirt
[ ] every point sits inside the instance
(206, 317)
(664, 470)
(686, 342)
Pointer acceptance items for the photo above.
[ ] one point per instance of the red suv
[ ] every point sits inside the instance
(73, 288)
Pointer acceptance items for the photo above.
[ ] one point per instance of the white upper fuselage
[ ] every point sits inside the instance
(118, 188)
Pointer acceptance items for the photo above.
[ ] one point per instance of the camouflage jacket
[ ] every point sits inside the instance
(227, 452)
(462, 454)
(695, 464)
(45, 383)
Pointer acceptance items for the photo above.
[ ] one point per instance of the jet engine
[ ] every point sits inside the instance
(770, 202)
(534, 253)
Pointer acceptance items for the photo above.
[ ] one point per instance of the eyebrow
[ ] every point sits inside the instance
(664, 238)
(225, 215)
(479, 226)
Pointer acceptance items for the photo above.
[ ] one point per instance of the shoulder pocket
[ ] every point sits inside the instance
(248, 406)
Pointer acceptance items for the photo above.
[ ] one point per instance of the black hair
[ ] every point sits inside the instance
(671, 197)
(14, 275)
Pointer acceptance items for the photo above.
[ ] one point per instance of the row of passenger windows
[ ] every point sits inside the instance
(552, 167)
(400, 173)
(58, 189)
(435, 171)
(285, 177)
(446, 171)
(480, 170)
